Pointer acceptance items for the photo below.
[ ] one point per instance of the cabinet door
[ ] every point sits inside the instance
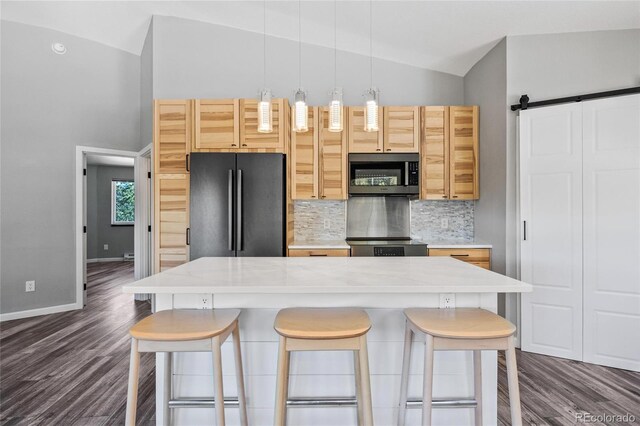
(434, 153)
(333, 160)
(304, 159)
(359, 140)
(253, 141)
(401, 129)
(217, 124)
(463, 151)
(172, 135)
(171, 220)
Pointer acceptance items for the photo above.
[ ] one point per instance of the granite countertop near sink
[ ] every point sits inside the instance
(319, 245)
(452, 244)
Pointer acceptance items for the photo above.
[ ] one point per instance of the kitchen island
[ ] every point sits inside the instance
(383, 286)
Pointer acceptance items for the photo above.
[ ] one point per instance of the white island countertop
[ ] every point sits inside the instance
(327, 275)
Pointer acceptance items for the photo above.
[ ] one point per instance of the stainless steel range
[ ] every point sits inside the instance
(380, 226)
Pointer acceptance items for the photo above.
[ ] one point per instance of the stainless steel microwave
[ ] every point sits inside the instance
(384, 174)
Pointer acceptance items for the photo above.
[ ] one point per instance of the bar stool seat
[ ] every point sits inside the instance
(322, 323)
(323, 329)
(460, 323)
(471, 329)
(184, 324)
(186, 330)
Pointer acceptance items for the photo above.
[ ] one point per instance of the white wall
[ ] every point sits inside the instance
(50, 104)
(197, 60)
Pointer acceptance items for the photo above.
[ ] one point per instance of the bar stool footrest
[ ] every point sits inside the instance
(349, 401)
(444, 403)
(201, 402)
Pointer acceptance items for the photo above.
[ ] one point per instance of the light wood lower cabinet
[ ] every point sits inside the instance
(319, 253)
(476, 256)
(171, 222)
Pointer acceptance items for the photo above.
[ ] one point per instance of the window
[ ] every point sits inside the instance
(123, 202)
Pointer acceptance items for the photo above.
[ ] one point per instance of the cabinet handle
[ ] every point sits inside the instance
(188, 236)
(244, 144)
(187, 162)
(324, 196)
(313, 196)
(378, 149)
(454, 196)
(233, 144)
(388, 149)
(316, 255)
(524, 230)
(459, 255)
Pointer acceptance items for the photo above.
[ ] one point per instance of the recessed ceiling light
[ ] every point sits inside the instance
(59, 48)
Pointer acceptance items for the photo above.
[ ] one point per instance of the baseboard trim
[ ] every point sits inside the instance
(106, 259)
(40, 311)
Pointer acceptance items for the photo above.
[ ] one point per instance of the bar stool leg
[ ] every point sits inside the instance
(239, 376)
(427, 389)
(282, 388)
(404, 382)
(217, 379)
(477, 385)
(367, 408)
(132, 392)
(167, 391)
(356, 369)
(512, 378)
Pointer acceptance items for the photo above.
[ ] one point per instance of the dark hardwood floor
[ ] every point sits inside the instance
(71, 369)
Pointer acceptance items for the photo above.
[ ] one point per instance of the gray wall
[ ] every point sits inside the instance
(50, 104)
(198, 60)
(99, 230)
(146, 90)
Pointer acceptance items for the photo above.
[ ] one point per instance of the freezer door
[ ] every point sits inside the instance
(261, 205)
(212, 205)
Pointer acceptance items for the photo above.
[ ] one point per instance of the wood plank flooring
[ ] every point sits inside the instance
(71, 369)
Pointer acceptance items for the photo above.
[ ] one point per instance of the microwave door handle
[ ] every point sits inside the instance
(406, 173)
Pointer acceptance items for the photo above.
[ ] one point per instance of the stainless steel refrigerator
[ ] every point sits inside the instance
(237, 205)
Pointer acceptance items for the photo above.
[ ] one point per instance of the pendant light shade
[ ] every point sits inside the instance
(371, 110)
(265, 120)
(301, 112)
(336, 111)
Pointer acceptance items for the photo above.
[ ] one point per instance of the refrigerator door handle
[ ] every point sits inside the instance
(239, 221)
(230, 208)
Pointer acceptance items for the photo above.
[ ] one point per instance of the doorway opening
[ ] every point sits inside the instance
(113, 218)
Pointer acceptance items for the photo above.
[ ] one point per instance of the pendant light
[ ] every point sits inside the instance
(372, 94)
(265, 119)
(300, 108)
(335, 106)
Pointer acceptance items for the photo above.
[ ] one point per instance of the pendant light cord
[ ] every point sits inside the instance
(299, 44)
(335, 43)
(371, 43)
(264, 44)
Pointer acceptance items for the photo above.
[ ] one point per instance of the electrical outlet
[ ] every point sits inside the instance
(30, 286)
(444, 223)
(106, 247)
(327, 224)
(447, 300)
(206, 302)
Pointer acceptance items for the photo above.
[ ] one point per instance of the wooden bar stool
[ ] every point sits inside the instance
(324, 329)
(187, 330)
(459, 329)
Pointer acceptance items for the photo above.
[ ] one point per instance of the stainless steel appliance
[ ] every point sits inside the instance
(384, 174)
(380, 226)
(237, 205)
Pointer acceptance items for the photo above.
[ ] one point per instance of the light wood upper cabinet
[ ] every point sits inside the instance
(358, 139)
(401, 128)
(217, 124)
(332, 159)
(171, 135)
(319, 160)
(434, 153)
(463, 152)
(449, 153)
(304, 159)
(171, 212)
(265, 142)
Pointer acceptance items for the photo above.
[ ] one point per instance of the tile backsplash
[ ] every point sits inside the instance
(426, 220)
(326, 220)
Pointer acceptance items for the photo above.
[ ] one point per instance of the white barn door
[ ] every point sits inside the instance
(611, 150)
(551, 210)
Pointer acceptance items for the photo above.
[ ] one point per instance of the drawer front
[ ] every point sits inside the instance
(319, 253)
(479, 257)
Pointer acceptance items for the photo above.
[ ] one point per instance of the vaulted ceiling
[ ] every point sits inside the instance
(448, 36)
